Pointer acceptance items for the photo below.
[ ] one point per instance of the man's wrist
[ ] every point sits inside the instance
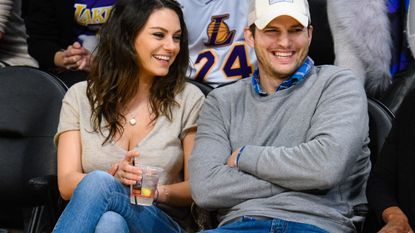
(393, 213)
(239, 155)
(58, 58)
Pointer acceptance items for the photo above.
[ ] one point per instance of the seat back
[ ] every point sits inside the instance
(380, 123)
(30, 102)
(205, 88)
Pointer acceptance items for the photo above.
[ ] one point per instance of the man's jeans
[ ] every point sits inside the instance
(102, 203)
(251, 225)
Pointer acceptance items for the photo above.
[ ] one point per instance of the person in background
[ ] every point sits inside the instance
(362, 41)
(136, 95)
(218, 52)
(287, 149)
(411, 27)
(391, 184)
(371, 38)
(63, 34)
(13, 44)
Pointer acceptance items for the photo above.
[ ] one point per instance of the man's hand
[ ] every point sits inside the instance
(75, 57)
(397, 226)
(232, 159)
(396, 221)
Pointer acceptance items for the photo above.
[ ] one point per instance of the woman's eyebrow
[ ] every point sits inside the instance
(165, 30)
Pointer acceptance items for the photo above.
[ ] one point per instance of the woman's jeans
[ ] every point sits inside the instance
(251, 225)
(100, 203)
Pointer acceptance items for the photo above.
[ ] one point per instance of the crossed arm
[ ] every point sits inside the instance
(319, 163)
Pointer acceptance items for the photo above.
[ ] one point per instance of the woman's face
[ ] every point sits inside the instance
(158, 43)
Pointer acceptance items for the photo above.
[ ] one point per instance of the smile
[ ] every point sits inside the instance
(283, 54)
(162, 57)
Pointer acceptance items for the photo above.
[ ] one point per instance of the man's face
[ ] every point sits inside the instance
(280, 47)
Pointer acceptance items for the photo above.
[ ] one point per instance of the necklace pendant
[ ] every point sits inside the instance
(132, 121)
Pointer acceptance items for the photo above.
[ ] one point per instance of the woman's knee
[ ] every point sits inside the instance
(96, 182)
(98, 178)
(111, 222)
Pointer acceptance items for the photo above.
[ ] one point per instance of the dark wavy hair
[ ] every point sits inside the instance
(113, 82)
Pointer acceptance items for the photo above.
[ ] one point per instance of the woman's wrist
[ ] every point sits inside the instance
(161, 195)
(156, 195)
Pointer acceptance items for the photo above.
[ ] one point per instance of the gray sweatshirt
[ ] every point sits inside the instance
(13, 44)
(306, 156)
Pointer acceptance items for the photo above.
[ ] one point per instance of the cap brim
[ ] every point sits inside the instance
(262, 22)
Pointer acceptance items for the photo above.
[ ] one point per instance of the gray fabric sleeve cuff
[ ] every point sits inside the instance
(248, 161)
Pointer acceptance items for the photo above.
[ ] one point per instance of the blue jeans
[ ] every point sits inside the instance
(251, 225)
(111, 222)
(102, 203)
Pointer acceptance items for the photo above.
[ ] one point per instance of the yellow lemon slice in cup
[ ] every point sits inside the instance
(146, 192)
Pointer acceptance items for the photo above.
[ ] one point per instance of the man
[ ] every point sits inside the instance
(218, 52)
(287, 148)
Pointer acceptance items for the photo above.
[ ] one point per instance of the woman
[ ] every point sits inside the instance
(136, 95)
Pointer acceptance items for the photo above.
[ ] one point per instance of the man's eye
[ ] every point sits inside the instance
(270, 30)
(296, 30)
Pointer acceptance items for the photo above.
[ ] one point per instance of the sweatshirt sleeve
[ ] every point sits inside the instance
(335, 140)
(5, 11)
(214, 184)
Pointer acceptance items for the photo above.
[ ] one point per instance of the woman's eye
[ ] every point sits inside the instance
(158, 35)
(177, 38)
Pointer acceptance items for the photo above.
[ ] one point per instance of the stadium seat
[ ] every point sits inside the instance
(205, 88)
(380, 123)
(30, 102)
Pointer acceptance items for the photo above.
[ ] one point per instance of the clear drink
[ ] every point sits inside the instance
(143, 192)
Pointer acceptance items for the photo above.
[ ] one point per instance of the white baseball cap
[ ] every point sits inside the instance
(264, 11)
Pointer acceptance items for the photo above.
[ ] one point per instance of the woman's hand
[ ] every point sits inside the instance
(114, 168)
(126, 173)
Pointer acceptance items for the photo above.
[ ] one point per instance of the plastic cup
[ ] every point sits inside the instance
(143, 192)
